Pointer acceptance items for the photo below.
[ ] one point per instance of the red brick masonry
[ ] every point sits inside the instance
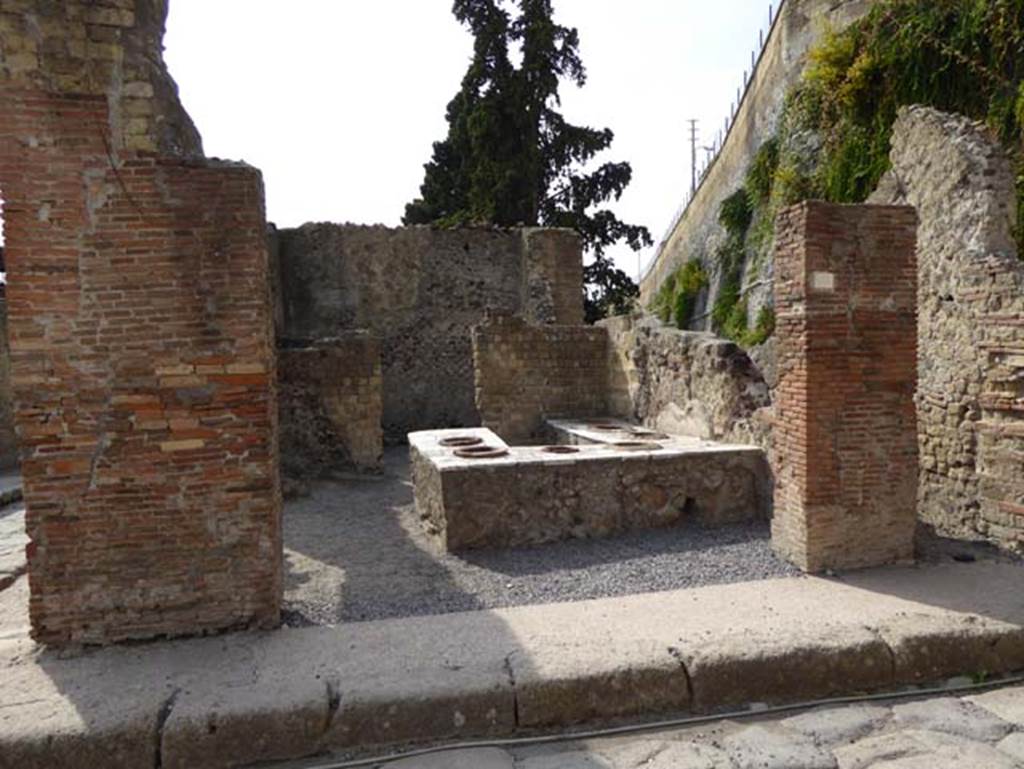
(846, 455)
(143, 373)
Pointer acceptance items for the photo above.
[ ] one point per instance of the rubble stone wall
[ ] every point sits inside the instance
(142, 356)
(421, 290)
(329, 400)
(971, 323)
(685, 382)
(845, 446)
(527, 373)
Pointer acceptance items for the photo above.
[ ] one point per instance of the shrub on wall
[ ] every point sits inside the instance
(677, 297)
(964, 56)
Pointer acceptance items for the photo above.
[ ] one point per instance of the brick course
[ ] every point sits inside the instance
(329, 396)
(846, 458)
(527, 373)
(142, 360)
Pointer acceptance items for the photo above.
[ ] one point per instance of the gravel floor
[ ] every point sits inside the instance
(354, 551)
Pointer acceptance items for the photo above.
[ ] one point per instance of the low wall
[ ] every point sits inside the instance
(421, 291)
(527, 373)
(685, 382)
(329, 401)
(970, 395)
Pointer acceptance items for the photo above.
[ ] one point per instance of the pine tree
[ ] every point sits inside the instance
(511, 158)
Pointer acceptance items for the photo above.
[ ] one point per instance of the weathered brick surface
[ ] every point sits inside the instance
(142, 359)
(329, 400)
(422, 290)
(846, 459)
(8, 440)
(526, 373)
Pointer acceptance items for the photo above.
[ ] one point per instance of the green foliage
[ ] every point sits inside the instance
(609, 291)
(761, 175)
(722, 314)
(956, 55)
(510, 158)
(736, 213)
(763, 328)
(677, 297)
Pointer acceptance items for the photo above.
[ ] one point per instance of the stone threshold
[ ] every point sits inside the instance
(247, 697)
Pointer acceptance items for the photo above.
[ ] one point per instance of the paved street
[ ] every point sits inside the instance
(983, 731)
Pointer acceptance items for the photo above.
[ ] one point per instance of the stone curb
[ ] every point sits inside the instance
(234, 700)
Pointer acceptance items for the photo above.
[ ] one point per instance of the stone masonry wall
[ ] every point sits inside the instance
(421, 290)
(971, 323)
(329, 400)
(845, 456)
(142, 357)
(685, 382)
(527, 373)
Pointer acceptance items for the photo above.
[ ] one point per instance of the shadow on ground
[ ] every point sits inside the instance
(355, 550)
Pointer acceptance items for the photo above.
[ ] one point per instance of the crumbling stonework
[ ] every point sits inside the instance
(527, 373)
(421, 290)
(845, 447)
(970, 396)
(329, 400)
(142, 356)
(685, 383)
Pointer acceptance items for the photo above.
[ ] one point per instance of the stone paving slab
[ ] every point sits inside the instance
(772, 742)
(212, 702)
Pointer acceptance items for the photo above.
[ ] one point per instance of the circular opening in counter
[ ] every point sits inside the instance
(561, 450)
(461, 440)
(480, 452)
(604, 426)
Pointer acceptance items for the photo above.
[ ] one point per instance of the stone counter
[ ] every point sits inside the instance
(532, 495)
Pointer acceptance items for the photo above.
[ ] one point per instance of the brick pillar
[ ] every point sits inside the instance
(846, 457)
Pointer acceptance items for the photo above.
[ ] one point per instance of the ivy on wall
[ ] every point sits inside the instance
(833, 142)
(963, 56)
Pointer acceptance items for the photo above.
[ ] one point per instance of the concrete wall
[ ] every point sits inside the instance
(422, 290)
(329, 401)
(526, 373)
(971, 331)
(142, 355)
(799, 25)
(845, 455)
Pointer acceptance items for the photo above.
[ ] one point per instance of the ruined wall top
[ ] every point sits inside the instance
(111, 48)
(971, 330)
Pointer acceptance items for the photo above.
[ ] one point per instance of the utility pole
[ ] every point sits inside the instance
(693, 157)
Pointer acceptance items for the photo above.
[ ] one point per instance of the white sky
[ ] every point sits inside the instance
(338, 101)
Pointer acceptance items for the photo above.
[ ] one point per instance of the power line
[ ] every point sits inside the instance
(693, 157)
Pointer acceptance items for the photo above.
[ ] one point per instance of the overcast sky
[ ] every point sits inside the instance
(338, 101)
